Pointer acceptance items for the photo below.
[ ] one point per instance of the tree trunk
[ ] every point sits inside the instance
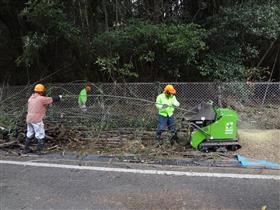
(105, 15)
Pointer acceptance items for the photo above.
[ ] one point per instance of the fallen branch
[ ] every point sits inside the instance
(49, 137)
(7, 144)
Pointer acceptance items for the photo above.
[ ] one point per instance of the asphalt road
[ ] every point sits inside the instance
(40, 187)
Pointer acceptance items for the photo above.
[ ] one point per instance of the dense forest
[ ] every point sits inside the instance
(139, 40)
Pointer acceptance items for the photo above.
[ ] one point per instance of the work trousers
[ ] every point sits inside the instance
(163, 122)
(37, 129)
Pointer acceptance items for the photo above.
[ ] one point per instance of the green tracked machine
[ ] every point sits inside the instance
(212, 129)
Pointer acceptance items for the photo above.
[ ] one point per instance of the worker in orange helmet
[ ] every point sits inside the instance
(166, 102)
(37, 105)
(83, 97)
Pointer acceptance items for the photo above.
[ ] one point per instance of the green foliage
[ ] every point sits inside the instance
(9, 122)
(111, 67)
(51, 25)
(139, 40)
(257, 74)
(227, 67)
(33, 42)
(5, 120)
(48, 16)
(237, 36)
(258, 20)
(168, 48)
(148, 57)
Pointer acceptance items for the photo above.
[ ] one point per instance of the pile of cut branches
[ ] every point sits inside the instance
(58, 138)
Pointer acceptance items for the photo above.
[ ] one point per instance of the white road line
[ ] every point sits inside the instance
(141, 171)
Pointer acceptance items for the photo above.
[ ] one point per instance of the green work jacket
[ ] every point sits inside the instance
(82, 97)
(170, 101)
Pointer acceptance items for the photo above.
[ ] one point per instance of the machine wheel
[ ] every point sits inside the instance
(183, 138)
(233, 147)
(221, 149)
(204, 149)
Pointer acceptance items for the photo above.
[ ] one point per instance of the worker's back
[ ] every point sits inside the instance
(37, 107)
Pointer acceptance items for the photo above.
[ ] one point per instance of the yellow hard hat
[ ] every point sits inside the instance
(39, 88)
(169, 89)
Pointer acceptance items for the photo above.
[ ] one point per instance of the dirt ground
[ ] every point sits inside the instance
(260, 144)
(256, 144)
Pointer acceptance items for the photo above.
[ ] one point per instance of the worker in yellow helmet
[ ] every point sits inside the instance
(37, 105)
(166, 102)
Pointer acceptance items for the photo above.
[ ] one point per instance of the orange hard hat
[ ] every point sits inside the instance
(88, 87)
(39, 88)
(169, 89)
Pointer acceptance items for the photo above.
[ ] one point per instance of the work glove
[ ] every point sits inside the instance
(62, 115)
(164, 106)
(56, 98)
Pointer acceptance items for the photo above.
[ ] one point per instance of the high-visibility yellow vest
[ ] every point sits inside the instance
(82, 97)
(171, 101)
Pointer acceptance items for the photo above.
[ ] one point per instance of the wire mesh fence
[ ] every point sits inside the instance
(115, 105)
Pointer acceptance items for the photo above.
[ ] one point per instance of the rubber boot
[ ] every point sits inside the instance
(173, 139)
(40, 146)
(27, 146)
(158, 141)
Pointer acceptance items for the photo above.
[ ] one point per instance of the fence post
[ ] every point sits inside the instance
(219, 95)
(157, 88)
(115, 88)
(265, 93)
(2, 92)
